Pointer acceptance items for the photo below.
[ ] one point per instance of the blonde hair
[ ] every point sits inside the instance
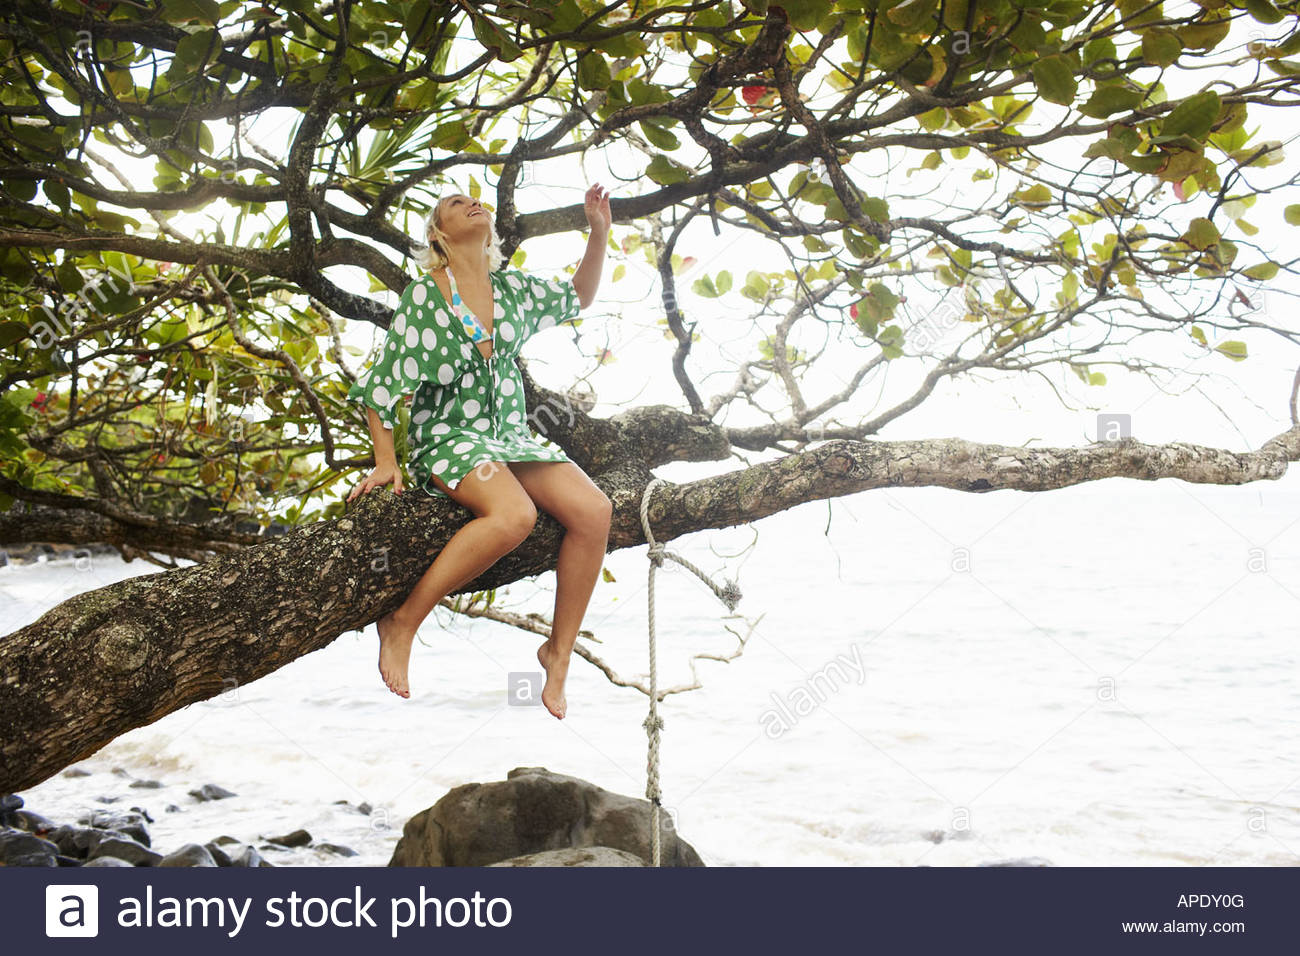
(432, 254)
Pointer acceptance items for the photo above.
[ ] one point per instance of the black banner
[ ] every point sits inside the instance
(499, 910)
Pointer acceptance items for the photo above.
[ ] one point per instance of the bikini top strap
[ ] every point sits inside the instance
(473, 326)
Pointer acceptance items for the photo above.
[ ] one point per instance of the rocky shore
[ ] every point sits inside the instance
(532, 818)
(120, 837)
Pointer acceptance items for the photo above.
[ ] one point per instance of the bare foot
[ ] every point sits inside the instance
(394, 653)
(556, 672)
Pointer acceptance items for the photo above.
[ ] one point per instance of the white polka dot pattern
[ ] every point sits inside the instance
(461, 415)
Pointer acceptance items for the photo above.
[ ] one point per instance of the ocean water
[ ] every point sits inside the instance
(1100, 675)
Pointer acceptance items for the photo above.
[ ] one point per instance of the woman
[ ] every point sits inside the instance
(453, 341)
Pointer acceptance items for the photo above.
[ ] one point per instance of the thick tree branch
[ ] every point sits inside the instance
(120, 657)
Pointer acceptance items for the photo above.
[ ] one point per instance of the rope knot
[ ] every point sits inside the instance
(730, 595)
(656, 553)
(651, 724)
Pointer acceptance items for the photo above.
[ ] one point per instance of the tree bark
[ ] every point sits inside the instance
(122, 656)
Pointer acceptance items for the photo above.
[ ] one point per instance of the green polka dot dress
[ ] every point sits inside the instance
(465, 409)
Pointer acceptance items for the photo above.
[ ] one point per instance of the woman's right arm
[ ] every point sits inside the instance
(394, 373)
(386, 469)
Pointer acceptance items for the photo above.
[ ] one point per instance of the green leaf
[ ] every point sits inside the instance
(1036, 196)
(1111, 99)
(665, 172)
(494, 38)
(1054, 78)
(1205, 34)
(1263, 11)
(878, 304)
(704, 286)
(1261, 272)
(713, 288)
(593, 72)
(11, 332)
(450, 136)
(182, 11)
(1198, 333)
(658, 136)
(1193, 116)
(194, 50)
(805, 14)
(1161, 47)
(1201, 233)
(1099, 48)
(1234, 349)
(756, 286)
(70, 278)
(1292, 214)
(912, 16)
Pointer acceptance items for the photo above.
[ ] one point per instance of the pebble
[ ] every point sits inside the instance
(296, 838)
(210, 791)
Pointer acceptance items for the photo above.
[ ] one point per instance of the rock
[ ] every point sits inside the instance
(1021, 861)
(533, 810)
(19, 848)
(32, 822)
(335, 848)
(218, 854)
(107, 799)
(107, 861)
(76, 772)
(9, 802)
(129, 822)
(191, 854)
(124, 848)
(146, 784)
(172, 808)
(249, 857)
(576, 856)
(76, 841)
(210, 791)
(360, 807)
(296, 838)
(224, 839)
(62, 860)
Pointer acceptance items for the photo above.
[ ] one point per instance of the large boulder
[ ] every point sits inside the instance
(580, 856)
(531, 811)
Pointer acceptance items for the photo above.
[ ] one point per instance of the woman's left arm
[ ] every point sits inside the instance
(586, 280)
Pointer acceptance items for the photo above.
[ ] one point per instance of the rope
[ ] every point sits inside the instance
(728, 594)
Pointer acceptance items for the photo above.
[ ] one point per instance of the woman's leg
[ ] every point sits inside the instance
(564, 491)
(504, 517)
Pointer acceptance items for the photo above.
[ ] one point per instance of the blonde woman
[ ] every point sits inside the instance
(452, 344)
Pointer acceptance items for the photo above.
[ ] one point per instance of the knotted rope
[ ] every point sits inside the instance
(728, 594)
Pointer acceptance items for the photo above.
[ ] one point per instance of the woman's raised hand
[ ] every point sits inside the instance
(381, 476)
(597, 207)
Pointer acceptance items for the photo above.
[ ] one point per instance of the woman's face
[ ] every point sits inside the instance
(462, 218)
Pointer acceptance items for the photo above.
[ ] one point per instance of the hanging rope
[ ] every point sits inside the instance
(728, 594)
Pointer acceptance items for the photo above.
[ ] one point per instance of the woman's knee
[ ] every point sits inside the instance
(594, 515)
(514, 521)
